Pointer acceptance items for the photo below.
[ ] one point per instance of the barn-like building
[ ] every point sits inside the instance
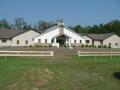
(59, 35)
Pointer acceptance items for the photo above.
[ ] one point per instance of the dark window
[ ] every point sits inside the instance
(39, 40)
(80, 41)
(45, 40)
(87, 41)
(116, 44)
(109, 44)
(18, 42)
(33, 39)
(74, 41)
(4, 41)
(26, 42)
(52, 41)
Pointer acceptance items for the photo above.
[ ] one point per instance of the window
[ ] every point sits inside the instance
(116, 44)
(4, 41)
(52, 41)
(18, 42)
(26, 42)
(39, 40)
(74, 41)
(33, 39)
(109, 44)
(45, 40)
(80, 41)
(87, 41)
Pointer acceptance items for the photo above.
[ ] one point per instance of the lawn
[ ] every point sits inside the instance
(87, 73)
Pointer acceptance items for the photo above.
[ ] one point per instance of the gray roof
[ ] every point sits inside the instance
(10, 33)
(99, 36)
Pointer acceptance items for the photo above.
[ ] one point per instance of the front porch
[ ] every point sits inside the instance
(61, 41)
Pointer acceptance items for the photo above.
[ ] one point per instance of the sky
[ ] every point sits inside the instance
(83, 12)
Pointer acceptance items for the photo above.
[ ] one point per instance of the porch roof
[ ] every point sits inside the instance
(60, 35)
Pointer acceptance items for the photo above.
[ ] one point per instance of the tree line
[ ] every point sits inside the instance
(19, 23)
(110, 27)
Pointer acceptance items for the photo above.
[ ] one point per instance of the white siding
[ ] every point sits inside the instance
(97, 43)
(8, 43)
(23, 37)
(47, 35)
(113, 40)
(87, 38)
(73, 36)
(53, 33)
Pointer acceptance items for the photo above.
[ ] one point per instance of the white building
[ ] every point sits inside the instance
(59, 35)
(17, 37)
(108, 39)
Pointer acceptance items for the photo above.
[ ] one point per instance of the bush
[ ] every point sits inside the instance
(105, 46)
(30, 46)
(99, 46)
(36, 46)
(86, 45)
(50, 45)
(90, 46)
(25, 46)
(82, 45)
(109, 46)
(117, 75)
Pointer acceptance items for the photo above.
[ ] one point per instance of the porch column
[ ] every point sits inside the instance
(54, 40)
(69, 42)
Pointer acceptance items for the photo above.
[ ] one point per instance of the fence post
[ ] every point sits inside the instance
(5, 59)
(95, 56)
(30, 59)
(78, 54)
(52, 54)
(111, 54)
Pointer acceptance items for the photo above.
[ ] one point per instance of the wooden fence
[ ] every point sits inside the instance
(27, 53)
(95, 54)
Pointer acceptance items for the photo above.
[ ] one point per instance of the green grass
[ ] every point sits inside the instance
(87, 73)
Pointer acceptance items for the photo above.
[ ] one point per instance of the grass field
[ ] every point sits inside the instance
(87, 73)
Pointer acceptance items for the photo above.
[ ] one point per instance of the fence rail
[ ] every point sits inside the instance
(79, 53)
(26, 53)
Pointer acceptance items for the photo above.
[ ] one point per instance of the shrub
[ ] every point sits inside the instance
(93, 46)
(82, 45)
(30, 46)
(109, 45)
(50, 45)
(117, 75)
(86, 45)
(90, 46)
(99, 46)
(36, 46)
(105, 46)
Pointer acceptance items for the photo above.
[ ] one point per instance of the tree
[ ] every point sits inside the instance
(20, 23)
(27, 27)
(77, 28)
(4, 24)
(42, 25)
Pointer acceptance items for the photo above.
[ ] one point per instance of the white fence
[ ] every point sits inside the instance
(79, 53)
(26, 53)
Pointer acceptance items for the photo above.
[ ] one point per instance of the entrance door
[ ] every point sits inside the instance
(61, 40)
